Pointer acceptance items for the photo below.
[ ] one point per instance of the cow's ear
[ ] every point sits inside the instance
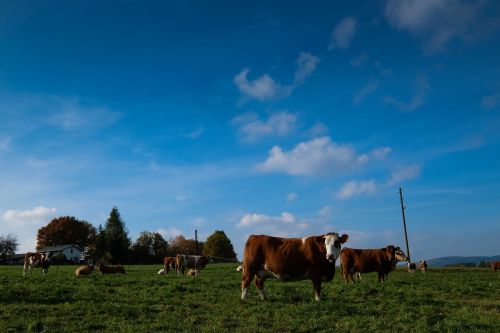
(344, 238)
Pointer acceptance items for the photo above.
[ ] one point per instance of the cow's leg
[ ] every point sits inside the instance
(317, 287)
(380, 277)
(246, 279)
(25, 268)
(259, 283)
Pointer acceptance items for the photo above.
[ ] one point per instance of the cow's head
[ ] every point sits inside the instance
(333, 244)
(45, 260)
(400, 255)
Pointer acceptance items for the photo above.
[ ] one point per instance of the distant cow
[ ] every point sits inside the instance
(422, 266)
(412, 267)
(111, 269)
(290, 259)
(168, 262)
(183, 261)
(495, 265)
(381, 261)
(84, 270)
(36, 260)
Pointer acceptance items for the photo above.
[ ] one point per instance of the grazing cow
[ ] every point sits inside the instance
(495, 265)
(36, 260)
(111, 269)
(84, 270)
(183, 261)
(191, 272)
(412, 267)
(422, 266)
(162, 272)
(168, 262)
(290, 259)
(382, 261)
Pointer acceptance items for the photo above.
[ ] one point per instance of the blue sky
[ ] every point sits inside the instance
(261, 117)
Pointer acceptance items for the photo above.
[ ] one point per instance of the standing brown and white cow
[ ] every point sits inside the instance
(290, 259)
(168, 262)
(36, 260)
(183, 261)
(422, 266)
(495, 265)
(381, 261)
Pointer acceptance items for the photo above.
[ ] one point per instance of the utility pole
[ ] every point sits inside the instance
(404, 222)
(196, 240)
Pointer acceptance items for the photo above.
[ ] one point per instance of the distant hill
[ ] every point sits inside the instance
(445, 261)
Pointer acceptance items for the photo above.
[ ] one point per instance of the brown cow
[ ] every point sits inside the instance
(168, 262)
(381, 261)
(111, 269)
(183, 261)
(290, 259)
(84, 270)
(495, 265)
(422, 266)
(36, 260)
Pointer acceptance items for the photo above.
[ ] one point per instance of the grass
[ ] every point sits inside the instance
(442, 300)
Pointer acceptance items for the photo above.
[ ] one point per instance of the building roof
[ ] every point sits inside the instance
(60, 248)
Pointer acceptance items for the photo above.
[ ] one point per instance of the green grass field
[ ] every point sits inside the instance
(444, 300)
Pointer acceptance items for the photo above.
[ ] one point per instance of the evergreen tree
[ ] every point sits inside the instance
(219, 245)
(116, 238)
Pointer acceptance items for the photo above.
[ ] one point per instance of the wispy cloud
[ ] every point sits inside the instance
(251, 128)
(343, 33)
(317, 157)
(265, 88)
(169, 233)
(403, 173)
(353, 188)
(438, 22)
(292, 196)
(418, 100)
(487, 102)
(368, 89)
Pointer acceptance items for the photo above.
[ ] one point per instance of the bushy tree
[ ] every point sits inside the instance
(115, 237)
(181, 245)
(219, 245)
(66, 230)
(150, 247)
(8, 245)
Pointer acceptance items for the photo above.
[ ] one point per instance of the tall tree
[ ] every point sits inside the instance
(219, 245)
(181, 245)
(116, 237)
(66, 230)
(149, 247)
(8, 245)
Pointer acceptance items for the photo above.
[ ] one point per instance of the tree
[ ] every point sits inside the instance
(115, 236)
(8, 245)
(149, 247)
(219, 245)
(181, 245)
(66, 230)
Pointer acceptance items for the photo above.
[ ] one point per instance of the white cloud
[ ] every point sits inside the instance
(325, 214)
(195, 134)
(306, 65)
(285, 225)
(353, 188)
(24, 224)
(404, 173)
(169, 233)
(319, 129)
(265, 88)
(343, 34)
(250, 220)
(262, 88)
(292, 196)
(438, 22)
(251, 128)
(368, 89)
(380, 153)
(487, 102)
(319, 156)
(419, 96)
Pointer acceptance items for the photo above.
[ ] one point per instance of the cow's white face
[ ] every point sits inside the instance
(400, 255)
(333, 245)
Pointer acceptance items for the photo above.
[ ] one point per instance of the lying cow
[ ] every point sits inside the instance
(168, 262)
(84, 270)
(422, 266)
(290, 259)
(495, 265)
(36, 260)
(382, 261)
(183, 261)
(111, 269)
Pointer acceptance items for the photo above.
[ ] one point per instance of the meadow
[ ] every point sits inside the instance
(442, 300)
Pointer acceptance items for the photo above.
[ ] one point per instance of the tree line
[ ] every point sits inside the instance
(110, 243)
